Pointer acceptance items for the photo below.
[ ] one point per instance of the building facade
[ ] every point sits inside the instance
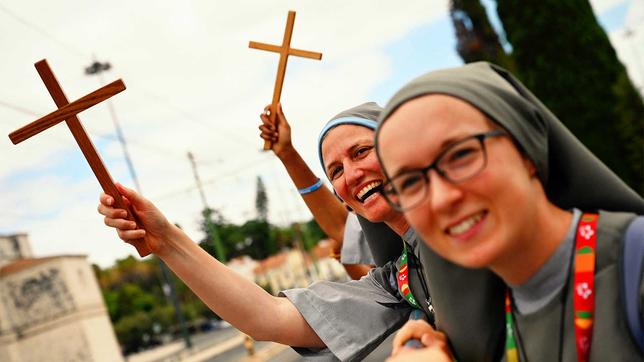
(51, 309)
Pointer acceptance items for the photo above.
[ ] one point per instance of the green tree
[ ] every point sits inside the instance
(137, 305)
(477, 39)
(312, 234)
(210, 226)
(259, 243)
(261, 200)
(564, 56)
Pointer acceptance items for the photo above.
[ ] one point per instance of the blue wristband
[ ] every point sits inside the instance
(308, 190)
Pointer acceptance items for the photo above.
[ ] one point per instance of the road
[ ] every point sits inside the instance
(225, 345)
(288, 355)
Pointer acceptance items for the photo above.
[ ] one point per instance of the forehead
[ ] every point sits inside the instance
(342, 138)
(420, 128)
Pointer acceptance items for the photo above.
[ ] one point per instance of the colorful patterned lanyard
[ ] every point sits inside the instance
(403, 279)
(584, 296)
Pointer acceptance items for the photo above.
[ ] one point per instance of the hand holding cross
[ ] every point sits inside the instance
(67, 112)
(284, 50)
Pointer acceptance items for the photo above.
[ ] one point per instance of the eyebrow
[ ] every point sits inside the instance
(445, 144)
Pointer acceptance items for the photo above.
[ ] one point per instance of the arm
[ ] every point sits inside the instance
(327, 210)
(357, 271)
(237, 300)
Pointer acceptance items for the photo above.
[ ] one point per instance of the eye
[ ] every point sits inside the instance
(408, 182)
(461, 155)
(362, 151)
(335, 172)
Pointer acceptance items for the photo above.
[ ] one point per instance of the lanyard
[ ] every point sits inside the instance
(584, 296)
(403, 279)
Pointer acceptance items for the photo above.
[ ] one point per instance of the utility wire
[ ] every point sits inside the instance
(108, 137)
(18, 108)
(242, 168)
(163, 100)
(43, 32)
(230, 137)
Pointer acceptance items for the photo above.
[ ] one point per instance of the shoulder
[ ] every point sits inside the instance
(614, 223)
(611, 230)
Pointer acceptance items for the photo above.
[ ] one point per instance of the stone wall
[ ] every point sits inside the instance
(52, 310)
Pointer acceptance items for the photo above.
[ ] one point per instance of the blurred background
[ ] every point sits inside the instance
(184, 134)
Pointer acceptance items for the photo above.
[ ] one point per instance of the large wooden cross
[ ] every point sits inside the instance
(67, 112)
(284, 50)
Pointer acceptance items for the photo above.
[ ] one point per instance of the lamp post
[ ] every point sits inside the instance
(96, 68)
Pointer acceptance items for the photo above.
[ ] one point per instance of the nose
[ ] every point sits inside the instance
(442, 194)
(352, 173)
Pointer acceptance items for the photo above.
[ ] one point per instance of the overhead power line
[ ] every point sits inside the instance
(41, 31)
(109, 137)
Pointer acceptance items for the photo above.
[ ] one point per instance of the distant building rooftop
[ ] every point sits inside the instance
(21, 264)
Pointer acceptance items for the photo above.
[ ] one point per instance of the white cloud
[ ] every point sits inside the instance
(193, 85)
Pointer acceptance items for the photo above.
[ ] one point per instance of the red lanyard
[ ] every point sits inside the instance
(583, 293)
(403, 279)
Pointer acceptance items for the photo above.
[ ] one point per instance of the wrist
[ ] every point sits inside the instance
(311, 188)
(169, 241)
(287, 153)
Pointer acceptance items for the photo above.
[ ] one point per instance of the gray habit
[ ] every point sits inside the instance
(353, 318)
(355, 249)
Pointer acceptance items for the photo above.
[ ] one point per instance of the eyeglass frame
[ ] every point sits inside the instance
(481, 137)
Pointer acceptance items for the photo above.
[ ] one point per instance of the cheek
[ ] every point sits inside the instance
(371, 164)
(341, 189)
(420, 219)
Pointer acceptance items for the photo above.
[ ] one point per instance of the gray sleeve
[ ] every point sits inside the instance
(355, 249)
(351, 318)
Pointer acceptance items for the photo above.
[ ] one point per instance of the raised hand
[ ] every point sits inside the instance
(154, 228)
(279, 134)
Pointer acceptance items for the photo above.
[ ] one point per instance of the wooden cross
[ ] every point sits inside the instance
(284, 50)
(67, 112)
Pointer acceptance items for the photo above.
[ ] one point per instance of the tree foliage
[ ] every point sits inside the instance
(476, 38)
(564, 56)
(210, 225)
(261, 200)
(137, 305)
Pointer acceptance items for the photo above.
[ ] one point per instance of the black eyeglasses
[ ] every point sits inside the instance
(458, 162)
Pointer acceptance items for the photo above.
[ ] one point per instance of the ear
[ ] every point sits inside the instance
(529, 165)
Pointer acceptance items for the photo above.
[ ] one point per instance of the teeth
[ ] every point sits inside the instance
(368, 188)
(465, 225)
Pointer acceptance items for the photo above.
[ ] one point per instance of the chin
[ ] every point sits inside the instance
(375, 215)
(372, 217)
(472, 261)
(472, 256)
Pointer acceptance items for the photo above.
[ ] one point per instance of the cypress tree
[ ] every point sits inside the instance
(261, 200)
(477, 39)
(564, 56)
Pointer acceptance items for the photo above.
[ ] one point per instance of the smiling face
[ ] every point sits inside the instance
(476, 223)
(351, 164)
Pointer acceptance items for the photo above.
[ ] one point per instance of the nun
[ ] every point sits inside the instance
(490, 178)
(348, 243)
